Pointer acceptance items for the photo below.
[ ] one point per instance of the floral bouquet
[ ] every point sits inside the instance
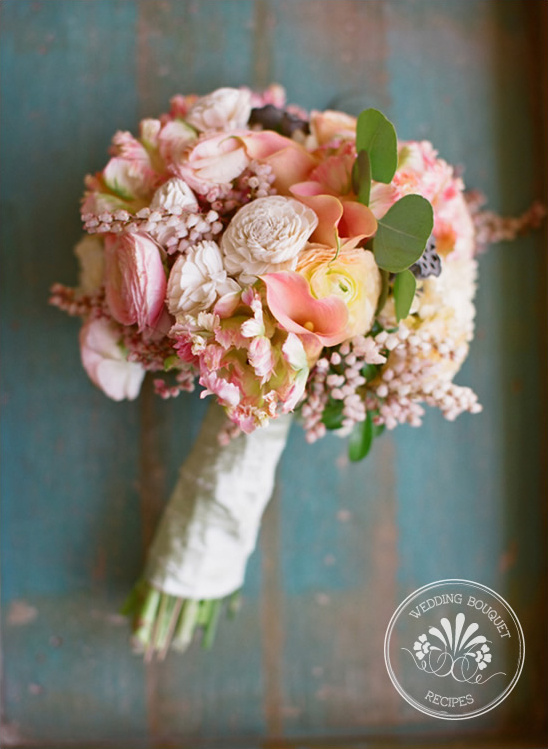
(291, 263)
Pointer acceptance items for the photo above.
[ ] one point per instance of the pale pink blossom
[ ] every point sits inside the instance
(255, 369)
(180, 105)
(331, 125)
(173, 140)
(215, 160)
(420, 171)
(223, 109)
(130, 179)
(105, 361)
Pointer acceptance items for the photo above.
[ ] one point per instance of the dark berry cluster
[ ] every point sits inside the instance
(429, 263)
(270, 117)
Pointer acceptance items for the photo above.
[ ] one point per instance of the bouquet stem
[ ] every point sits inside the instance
(161, 621)
(197, 560)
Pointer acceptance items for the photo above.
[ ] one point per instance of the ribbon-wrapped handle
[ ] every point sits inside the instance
(210, 526)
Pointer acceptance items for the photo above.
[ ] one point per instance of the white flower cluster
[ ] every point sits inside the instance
(264, 236)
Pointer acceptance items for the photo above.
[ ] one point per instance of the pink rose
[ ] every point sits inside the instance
(214, 160)
(135, 280)
(105, 362)
(219, 159)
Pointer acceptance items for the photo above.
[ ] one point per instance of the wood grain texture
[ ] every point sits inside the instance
(84, 479)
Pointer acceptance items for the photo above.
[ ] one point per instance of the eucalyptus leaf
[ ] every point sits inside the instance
(332, 415)
(405, 285)
(383, 296)
(361, 439)
(378, 429)
(402, 233)
(377, 135)
(361, 177)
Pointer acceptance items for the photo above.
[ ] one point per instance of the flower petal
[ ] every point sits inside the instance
(290, 301)
(327, 208)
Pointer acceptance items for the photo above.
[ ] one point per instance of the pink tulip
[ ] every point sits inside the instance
(135, 280)
(290, 301)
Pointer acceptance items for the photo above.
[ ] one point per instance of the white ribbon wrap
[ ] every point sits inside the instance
(211, 523)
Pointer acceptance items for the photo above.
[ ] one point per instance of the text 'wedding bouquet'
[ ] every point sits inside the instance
(291, 263)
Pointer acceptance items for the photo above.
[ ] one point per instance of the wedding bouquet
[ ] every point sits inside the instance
(290, 263)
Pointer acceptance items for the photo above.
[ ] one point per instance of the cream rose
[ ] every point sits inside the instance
(266, 236)
(197, 280)
(352, 275)
(224, 109)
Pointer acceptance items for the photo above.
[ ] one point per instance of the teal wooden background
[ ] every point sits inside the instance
(84, 478)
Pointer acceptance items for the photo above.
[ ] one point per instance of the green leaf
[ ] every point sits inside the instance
(376, 135)
(361, 177)
(402, 233)
(383, 296)
(378, 429)
(405, 285)
(369, 371)
(170, 362)
(333, 414)
(377, 327)
(361, 439)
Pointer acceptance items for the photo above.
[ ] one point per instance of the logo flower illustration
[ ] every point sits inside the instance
(483, 657)
(453, 650)
(421, 647)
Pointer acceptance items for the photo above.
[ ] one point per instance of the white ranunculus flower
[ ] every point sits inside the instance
(91, 255)
(266, 236)
(174, 196)
(198, 279)
(224, 109)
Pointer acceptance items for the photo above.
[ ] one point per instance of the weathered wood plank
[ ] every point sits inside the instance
(72, 539)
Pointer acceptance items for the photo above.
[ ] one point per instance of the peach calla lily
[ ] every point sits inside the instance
(337, 219)
(290, 301)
